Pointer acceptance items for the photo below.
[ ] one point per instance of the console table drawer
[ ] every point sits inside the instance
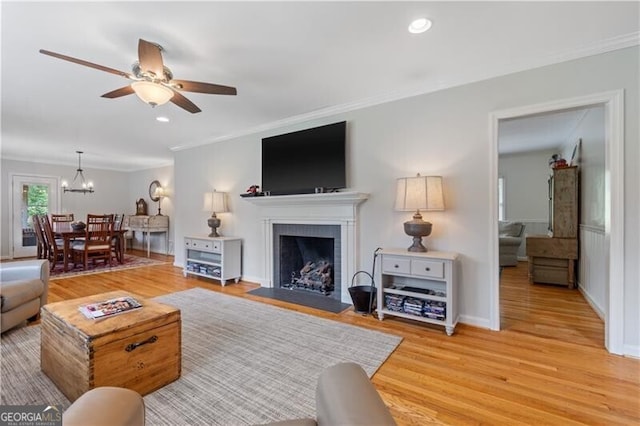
(396, 265)
(206, 245)
(427, 268)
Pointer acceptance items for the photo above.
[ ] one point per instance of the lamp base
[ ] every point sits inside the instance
(417, 228)
(214, 224)
(417, 246)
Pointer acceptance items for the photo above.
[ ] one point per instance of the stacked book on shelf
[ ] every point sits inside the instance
(203, 269)
(414, 306)
(394, 302)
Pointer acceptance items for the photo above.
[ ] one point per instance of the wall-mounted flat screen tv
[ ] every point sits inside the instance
(304, 161)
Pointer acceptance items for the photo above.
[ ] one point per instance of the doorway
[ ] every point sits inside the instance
(30, 195)
(614, 205)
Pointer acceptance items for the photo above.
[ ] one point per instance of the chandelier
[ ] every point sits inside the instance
(83, 186)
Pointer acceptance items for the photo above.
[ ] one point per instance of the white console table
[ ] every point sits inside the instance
(213, 257)
(419, 286)
(148, 225)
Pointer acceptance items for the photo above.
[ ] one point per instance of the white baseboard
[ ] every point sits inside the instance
(632, 351)
(475, 321)
(591, 302)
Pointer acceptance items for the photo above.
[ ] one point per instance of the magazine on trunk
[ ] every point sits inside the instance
(109, 308)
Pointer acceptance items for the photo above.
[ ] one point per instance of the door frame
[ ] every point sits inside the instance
(613, 102)
(55, 180)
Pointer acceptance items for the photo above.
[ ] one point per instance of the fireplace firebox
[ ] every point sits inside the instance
(307, 258)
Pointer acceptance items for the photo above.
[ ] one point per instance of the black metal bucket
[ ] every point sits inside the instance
(363, 296)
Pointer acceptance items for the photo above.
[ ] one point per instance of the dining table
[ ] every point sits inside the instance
(65, 231)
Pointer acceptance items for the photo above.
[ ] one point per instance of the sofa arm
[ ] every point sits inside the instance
(345, 396)
(106, 406)
(27, 270)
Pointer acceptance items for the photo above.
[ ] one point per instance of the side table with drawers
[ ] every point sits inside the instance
(419, 286)
(213, 257)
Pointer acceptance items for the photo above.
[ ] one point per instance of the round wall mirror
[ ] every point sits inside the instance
(153, 189)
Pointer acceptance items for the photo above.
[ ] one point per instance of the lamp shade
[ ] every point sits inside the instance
(215, 202)
(419, 193)
(152, 93)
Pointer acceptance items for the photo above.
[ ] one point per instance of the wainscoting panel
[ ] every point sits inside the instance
(593, 267)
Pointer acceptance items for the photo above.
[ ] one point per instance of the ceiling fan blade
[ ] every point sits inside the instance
(184, 103)
(150, 58)
(195, 86)
(85, 63)
(123, 91)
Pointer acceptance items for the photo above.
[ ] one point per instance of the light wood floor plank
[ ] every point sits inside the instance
(548, 365)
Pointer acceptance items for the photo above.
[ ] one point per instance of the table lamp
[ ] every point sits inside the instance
(216, 202)
(415, 194)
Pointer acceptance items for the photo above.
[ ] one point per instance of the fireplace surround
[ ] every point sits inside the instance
(338, 210)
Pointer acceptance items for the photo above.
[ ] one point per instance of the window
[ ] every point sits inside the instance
(501, 209)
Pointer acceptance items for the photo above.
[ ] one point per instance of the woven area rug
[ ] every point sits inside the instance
(243, 362)
(130, 262)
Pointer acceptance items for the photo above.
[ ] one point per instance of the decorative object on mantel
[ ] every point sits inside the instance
(215, 202)
(85, 187)
(415, 194)
(252, 191)
(156, 193)
(141, 207)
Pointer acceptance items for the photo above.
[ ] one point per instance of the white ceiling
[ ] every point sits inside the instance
(549, 131)
(290, 61)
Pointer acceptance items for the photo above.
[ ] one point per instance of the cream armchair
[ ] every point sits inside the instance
(23, 290)
(510, 240)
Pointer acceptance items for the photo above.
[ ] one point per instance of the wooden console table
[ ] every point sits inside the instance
(148, 225)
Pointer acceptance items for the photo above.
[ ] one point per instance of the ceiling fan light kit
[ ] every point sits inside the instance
(153, 82)
(152, 93)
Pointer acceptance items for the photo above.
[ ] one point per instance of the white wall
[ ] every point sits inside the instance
(526, 187)
(445, 133)
(526, 177)
(590, 158)
(592, 265)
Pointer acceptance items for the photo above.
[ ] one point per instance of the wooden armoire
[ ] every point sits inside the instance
(552, 258)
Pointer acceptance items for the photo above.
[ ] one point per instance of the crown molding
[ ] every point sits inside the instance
(473, 75)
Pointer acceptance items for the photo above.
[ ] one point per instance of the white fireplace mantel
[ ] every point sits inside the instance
(332, 198)
(335, 208)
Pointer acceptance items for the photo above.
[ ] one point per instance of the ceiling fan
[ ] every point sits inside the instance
(153, 82)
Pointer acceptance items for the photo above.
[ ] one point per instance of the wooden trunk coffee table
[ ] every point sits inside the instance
(139, 350)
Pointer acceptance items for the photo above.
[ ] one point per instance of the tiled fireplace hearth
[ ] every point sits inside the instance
(317, 227)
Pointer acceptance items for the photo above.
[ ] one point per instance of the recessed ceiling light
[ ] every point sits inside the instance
(163, 119)
(419, 25)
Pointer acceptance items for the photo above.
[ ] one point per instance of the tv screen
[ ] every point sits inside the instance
(299, 162)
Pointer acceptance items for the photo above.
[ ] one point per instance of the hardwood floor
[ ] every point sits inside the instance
(547, 366)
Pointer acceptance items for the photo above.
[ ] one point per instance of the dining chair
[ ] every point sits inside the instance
(55, 247)
(42, 251)
(97, 241)
(118, 239)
